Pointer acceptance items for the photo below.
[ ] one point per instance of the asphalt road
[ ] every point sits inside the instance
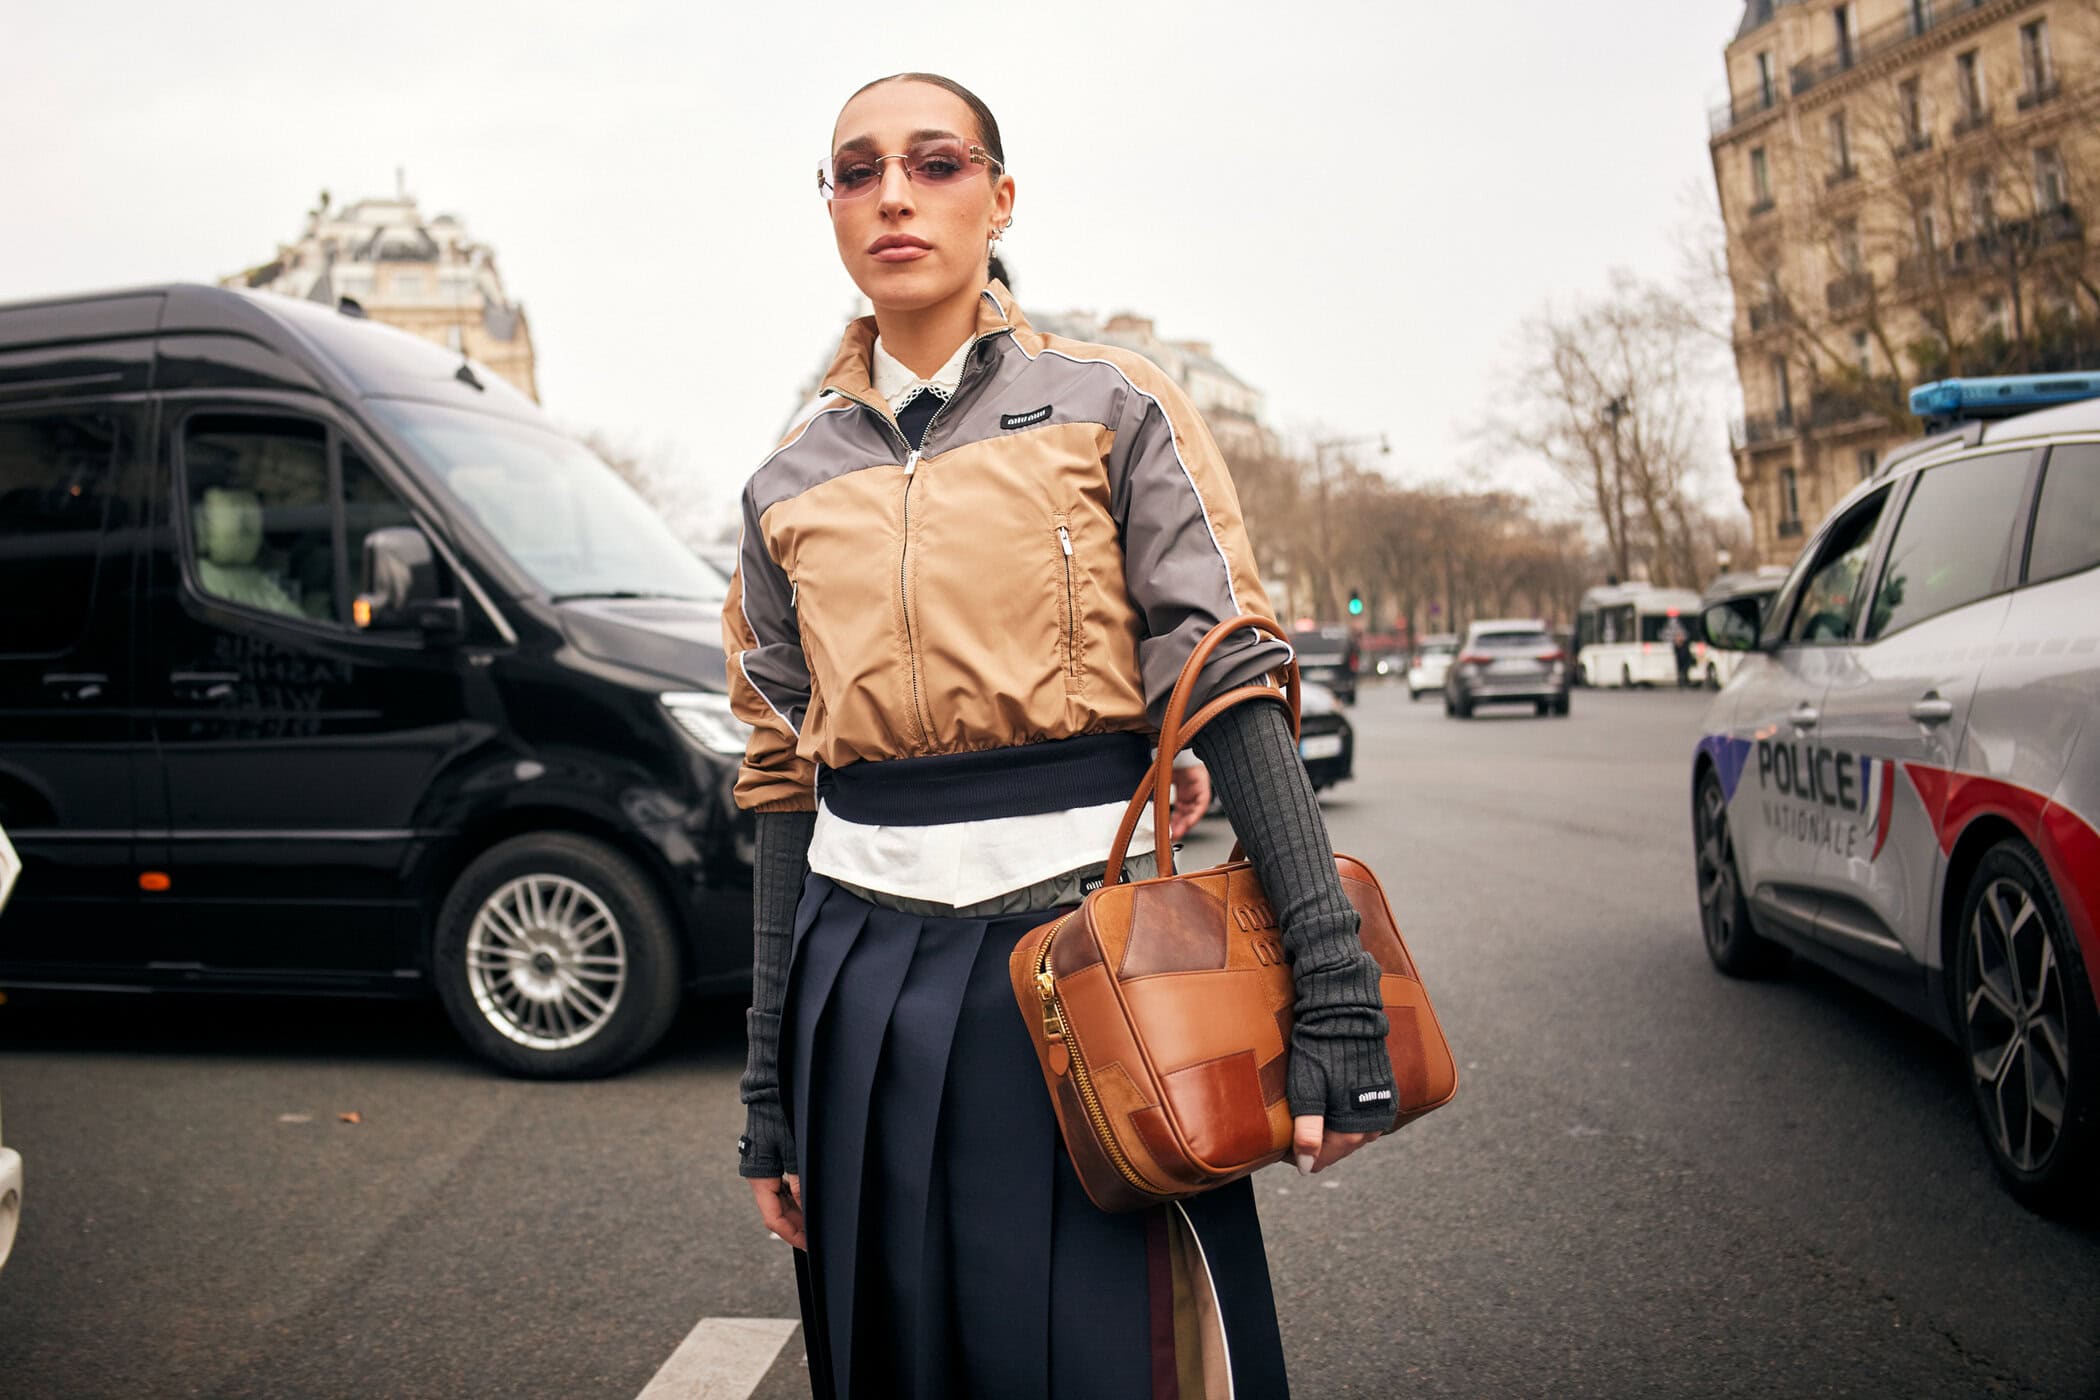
(1654, 1181)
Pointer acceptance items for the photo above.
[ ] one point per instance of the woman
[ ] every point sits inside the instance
(967, 582)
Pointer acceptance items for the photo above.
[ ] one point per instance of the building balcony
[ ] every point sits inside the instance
(2036, 95)
(2011, 239)
(1832, 406)
(1846, 172)
(1970, 122)
(1789, 529)
(1769, 316)
(1732, 113)
(1914, 144)
(1849, 292)
(1880, 41)
(1767, 428)
(1763, 206)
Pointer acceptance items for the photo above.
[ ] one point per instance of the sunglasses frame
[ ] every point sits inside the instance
(830, 192)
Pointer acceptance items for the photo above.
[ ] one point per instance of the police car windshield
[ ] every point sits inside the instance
(559, 512)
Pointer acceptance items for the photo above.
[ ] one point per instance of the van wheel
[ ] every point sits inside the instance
(555, 958)
(1625, 677)
(2029, 1028)
(1724, 915)
(1713, 677)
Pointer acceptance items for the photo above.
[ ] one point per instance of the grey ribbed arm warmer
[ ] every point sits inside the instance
(782, 860)
(1338, 1058)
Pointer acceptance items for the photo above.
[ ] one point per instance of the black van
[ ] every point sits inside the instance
(328, 665)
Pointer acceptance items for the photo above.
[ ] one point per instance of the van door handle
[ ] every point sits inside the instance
(1931, 709)
(76, 685)
(1805, 716)
(203, 685)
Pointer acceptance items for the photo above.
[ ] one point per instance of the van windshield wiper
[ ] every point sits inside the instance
(629, 593)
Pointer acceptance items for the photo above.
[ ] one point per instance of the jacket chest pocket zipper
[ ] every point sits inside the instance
(1064, 544)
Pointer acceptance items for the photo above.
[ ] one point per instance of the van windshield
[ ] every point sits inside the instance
(560, 513)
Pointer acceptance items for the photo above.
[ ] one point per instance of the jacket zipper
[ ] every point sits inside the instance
(1064, 539)
(1057, 1028)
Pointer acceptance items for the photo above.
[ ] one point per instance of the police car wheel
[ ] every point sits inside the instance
(1724, 915)
(555, 959)
(2029, 1029)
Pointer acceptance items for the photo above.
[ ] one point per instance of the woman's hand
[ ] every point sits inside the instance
(780, 1206)
(1317, 1149)
(1191, 800)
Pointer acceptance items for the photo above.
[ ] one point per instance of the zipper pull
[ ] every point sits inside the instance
(911, 463)
(1066, 540)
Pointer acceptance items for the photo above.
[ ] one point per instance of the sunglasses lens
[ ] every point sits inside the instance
(939, 162)
(845, 176)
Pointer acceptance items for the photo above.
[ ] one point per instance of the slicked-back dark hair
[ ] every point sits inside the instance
(987, 124)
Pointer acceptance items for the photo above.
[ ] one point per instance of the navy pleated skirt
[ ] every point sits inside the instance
(952, 1252)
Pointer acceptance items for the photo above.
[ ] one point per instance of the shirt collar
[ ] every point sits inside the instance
(899, 386)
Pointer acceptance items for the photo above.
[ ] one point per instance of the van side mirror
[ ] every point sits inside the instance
(1734, 625)
(400, 583)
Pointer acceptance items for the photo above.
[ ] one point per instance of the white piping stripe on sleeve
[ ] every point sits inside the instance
(1174, 441)
(1217, 1299)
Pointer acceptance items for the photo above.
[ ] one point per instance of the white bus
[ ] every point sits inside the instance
(1622, 635)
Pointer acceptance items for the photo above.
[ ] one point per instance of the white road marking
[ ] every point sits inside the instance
(724, 1358)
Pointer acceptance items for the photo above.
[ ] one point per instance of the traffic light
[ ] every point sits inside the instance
(1356, 605)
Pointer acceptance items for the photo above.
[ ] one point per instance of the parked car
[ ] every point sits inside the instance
(1902, 783)
(1326, 741)
(1508, 661)
(1432, 663)
(328, 665)
(1329, 655)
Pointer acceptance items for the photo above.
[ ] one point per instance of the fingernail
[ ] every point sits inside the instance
(1305, 1164)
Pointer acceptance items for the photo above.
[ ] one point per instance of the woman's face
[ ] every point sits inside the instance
(907, 244)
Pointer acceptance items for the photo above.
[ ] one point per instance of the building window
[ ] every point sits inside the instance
(2049, 187)
(1994, 315)
(1782, 390)
(2034, 57)
(1968, 83)
(1852, 258)
(1983, 211)
(1867, 462)
(408, 284)
(1863, 354)
(1760, 176)
(1925, 226)
(1789, 500)
(1920, 16)
(1912, 104)
(1840, 144)
(1767, 87)
(1846, 17)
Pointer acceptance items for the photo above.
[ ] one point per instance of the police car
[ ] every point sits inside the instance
(1902, 781)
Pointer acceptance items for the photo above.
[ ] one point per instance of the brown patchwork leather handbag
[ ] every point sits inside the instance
(1161, 1010)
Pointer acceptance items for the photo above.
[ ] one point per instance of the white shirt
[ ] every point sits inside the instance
(960, 863)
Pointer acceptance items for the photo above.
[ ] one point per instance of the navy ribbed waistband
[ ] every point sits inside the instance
(1021, 781)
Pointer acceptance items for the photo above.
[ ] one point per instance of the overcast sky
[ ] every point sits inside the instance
(1355, 203)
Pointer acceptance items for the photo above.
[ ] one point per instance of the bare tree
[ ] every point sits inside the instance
(1615, 387)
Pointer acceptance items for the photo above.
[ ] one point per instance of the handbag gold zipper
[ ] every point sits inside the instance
(1055, 1027)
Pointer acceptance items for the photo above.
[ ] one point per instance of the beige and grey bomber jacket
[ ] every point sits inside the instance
(1040, 570)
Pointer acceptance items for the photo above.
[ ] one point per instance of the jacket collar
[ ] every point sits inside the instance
(851, 376)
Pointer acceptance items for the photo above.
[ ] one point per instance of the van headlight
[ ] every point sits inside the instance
(705, 718)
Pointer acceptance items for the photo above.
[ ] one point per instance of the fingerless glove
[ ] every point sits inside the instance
(1338, 1065)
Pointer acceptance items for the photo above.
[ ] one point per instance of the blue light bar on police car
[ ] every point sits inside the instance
(2002, 396)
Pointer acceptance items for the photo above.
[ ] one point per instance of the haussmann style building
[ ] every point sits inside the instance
(423, 275)
(1907, 188)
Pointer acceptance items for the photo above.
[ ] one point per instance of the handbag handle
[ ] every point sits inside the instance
(1175, 734)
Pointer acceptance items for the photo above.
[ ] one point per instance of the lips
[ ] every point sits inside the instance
(899, 247)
